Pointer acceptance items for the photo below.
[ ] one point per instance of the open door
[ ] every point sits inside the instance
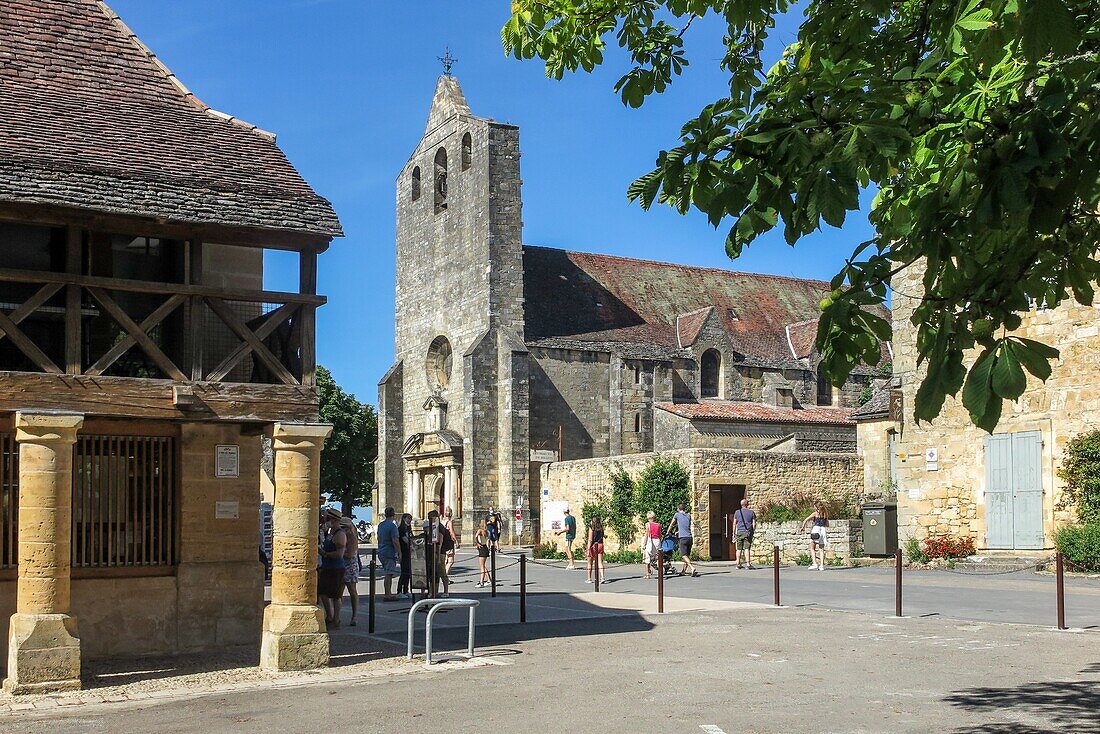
(725, 500)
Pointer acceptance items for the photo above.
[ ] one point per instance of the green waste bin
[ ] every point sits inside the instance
(880, 529)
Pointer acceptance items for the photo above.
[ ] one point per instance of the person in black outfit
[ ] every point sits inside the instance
(404, 538)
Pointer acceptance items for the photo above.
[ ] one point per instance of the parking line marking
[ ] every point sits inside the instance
(711, 729)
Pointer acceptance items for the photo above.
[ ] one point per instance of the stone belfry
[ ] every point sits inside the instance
(453, 409)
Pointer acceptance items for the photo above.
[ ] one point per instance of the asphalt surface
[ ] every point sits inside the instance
(748, 669)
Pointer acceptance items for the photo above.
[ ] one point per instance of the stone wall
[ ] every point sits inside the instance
(214, 597)
(845, 538)
(951, 498)
(873, 446)
(768, 477)
(571, 389)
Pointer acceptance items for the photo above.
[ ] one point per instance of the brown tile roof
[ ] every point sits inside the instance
(688, 325)
(90, 118)
(609, 299)
(741, 411)
(801, 337)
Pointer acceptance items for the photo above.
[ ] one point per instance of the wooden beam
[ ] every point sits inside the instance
(32, 304)
(147, 345)
(260, 349)
(73, 262)
(123, 345)
(269, 325)
(141, 286)
(130, 398)
(26, 346)
(194, 336)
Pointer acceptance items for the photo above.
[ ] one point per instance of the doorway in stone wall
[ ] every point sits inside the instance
(725, 499)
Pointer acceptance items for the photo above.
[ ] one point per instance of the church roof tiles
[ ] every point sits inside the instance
(91, 119)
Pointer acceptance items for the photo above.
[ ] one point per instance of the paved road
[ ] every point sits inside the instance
(754, 669)
(555, 593)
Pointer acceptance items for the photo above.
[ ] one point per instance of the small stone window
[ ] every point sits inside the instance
(637, 375)
(467, 151)
(710, 368)
(637, 422)
(438, 363)
(440, 180)
(416, 183)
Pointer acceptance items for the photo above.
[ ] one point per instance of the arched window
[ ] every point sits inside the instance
(440, 180)
(710, 369)
(824, 387)
(416, 183)
(438, 362)
(467, 151)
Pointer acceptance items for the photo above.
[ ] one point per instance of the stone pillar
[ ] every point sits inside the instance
(414, 494)
(43, 650)
(294, 636)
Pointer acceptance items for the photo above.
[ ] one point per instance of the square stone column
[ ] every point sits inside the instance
(43, 650)
(294, 636)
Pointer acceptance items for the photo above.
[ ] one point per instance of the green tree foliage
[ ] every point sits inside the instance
(347, 460)
(1081, 473)
(620, 504)
(975, 121)
(596, 507)
(662, 485)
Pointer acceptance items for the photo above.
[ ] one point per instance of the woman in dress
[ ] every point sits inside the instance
(652, 542)
(819, 539)
(481, 540)
(447, 521)
(404, 539)
(595, 551)
(351, 565)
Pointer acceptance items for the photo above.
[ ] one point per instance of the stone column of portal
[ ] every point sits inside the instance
(414, 494)
(43, 650)
(450, 489)
(294, 636)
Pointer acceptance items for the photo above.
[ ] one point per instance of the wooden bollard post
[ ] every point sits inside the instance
(775, 573)
(660, 581)
(897, 582)
(522, 587)
(1060, 588)
(370, 592)
(493, 569)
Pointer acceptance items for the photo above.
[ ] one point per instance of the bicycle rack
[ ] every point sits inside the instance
(438, 604)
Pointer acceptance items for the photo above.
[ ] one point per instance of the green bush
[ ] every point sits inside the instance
(662, 485)
(1080, 545)
(798, 504)
(780, 513)
(914, 552)
(620, 505)
(596, 507)
(623, 556)
(804, 559)
(1081, 473)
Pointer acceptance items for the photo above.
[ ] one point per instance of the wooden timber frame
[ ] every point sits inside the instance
(189, 389)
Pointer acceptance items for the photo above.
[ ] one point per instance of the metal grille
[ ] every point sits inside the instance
(9, 501)
(124, 499)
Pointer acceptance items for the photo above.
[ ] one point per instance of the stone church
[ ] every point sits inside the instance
(510, 355)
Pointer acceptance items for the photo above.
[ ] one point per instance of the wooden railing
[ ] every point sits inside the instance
(276, 329)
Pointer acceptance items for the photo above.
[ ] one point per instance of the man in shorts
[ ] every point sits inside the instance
(389, 553)
(570, 532)
(683, 531)
(746, 527)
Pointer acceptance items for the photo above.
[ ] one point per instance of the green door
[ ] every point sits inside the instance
(1014, 490)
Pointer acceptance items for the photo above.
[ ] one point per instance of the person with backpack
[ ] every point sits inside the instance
(681, 523)
(439, 540)
(494, 526)
(651, 542)
(745, 527)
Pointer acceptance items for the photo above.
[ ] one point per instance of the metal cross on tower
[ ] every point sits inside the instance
(447, 60)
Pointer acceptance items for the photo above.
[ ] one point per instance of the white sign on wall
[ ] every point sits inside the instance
(553, 515)
(543, 455)
(227, 510)
(931, 459)
(227, 461)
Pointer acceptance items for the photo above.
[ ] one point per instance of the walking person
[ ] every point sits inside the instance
(447, 520)
(330, 578)
(682, 520)
(404, 540)
(389, 553)
(351, 565)
(745, 520)
(570, 531)
(594, 551)
(494, 525)
(481, 542)
(819, 535)
(652, 542)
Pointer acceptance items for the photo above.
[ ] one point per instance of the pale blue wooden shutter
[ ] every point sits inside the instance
(1027, 490)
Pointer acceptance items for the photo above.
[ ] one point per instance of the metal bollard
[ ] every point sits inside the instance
(370, 592)
(775, 573)
(493, 568)
(897, 582)
(1060, 588)
(522, 587)
(660, 581)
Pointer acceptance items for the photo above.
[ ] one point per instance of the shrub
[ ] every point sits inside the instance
(1081, 473)
(779, 513)
(662, 485)
(914, 552)
(548, 551)
(948, 546)
(1080, 545)
(620, 505)
(623, 556)
(798, 504)
(596, 507)
(803, 559)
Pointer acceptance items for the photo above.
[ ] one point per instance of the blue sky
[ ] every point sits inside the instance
(346, 85)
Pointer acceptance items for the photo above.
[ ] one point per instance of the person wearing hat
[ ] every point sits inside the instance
(351, 567)
(330, 577)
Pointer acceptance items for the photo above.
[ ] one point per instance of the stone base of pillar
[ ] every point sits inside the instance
(43, 654)
(294, 638)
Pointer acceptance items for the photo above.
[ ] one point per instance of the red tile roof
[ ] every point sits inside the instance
(90, 118)
(604, 298)
(742, 411)
(689, 325)
(801, 337)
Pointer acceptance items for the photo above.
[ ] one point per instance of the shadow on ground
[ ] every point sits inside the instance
(1064, 706)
